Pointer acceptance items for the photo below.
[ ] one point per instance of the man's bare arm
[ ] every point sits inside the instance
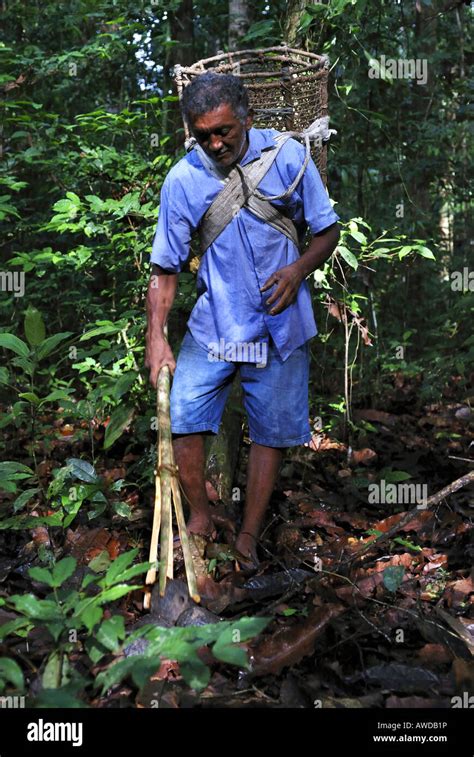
(289, 278)
(319, 250)
(160, 297)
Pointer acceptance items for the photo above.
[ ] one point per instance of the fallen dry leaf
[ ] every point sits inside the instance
(376, 416)
(86, 543)
(287, 646)
(364, 456)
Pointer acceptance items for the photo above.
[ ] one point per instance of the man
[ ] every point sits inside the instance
(253, 312)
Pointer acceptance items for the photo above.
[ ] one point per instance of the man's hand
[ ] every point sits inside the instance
(288, 280)
(158, 353)
(290, 277)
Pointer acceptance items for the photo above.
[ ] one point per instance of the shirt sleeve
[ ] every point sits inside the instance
(316, 205)
(173, 231)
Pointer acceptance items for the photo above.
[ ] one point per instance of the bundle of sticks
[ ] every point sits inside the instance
(167, 495)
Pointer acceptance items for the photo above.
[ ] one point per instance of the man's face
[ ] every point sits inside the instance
(222, 135)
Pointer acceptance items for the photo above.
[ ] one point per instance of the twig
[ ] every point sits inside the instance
(412, 514)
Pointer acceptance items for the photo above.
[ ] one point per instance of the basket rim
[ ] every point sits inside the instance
(197, 67)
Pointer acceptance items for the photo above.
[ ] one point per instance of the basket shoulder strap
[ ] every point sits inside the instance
(237, 191)
(271, 215)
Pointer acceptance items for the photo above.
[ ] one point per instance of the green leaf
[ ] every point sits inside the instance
(59, 481)
(95, 202)
(119, 420)
(110, 632)
(99, 563)
(106, 329)
(24, 363)
(82, 470)
(140, 667)
(74, 198)
(89, 578)
(348, 256)
(425, 252)
(30, 397)
(92, 616)
(260, 30)
(19, 522)
(63, 570)
(195, 673)
(119, 565)
(135, 570)
(11, 671)
(35, 331)
(58, 698)
(72, 511)
(392, 476)
(23, 498)
(408, 544)
(43, 575)
(57, 671)
(393, 577)
(94, 650)
(109, 595)
(10, 468)
(122, 509)
(50, 344)
(358, 236)
(11, 342)
(32, 607)
(228, 651)
(96, 510)
(14, 627)
(57, 394)
(123, 384)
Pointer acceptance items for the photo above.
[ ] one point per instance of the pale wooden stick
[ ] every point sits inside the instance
(155, 531)
(183, 534)
(166, 471)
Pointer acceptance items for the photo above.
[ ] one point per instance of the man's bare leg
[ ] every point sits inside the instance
(263, 466)
(190, 459)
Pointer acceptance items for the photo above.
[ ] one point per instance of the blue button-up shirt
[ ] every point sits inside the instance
(230, 306)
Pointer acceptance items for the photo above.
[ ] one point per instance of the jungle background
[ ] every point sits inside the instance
(90, 127)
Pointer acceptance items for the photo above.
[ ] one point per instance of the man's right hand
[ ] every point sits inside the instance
(158, 353)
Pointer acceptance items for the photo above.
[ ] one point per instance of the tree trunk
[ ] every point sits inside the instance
(223, 450)
(181, 30)
(293, 17)
(238, 21)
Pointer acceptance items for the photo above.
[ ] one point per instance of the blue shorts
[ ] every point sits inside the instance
(275, 396)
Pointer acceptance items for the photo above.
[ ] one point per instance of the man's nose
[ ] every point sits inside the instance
(215, 143)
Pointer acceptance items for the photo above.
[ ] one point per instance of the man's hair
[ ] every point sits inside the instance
(209, 91)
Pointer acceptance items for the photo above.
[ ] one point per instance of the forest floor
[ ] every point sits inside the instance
(359, 617)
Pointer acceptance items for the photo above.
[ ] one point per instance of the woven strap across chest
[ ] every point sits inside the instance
(239, 192)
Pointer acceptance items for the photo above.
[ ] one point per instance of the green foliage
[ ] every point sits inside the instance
(74, 617)
(182, 644)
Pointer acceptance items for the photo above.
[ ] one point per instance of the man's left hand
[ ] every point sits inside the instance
(288, 280)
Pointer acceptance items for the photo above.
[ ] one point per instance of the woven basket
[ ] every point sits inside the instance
(287, 87)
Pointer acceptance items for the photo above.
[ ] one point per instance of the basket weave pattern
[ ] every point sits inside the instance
(287, 87)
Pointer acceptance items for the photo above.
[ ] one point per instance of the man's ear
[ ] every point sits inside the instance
(249, 120)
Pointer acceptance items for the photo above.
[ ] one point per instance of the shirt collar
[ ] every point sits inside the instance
(259, 139)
